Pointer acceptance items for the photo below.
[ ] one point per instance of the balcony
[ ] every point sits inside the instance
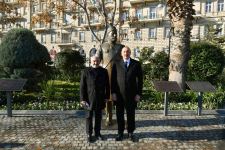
(141, 1)
(126, 4)
(147, 18)
(93, 5)
(136, 1)
(93, 22)
(109, 4)
(40, 29)
(66, 43)
(11, 2)
(18, 16)
(5, 30)
(195, 38)
(197, 13)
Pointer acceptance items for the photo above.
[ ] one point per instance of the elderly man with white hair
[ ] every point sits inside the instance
(94, 92)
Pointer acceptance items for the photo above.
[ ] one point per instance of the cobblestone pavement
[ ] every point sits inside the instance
(66, 131)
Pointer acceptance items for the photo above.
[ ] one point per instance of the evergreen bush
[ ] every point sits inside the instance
(22, 56)
(206, 62)
(69, 63)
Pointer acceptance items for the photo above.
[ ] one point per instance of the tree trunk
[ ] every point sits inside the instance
(181, 15)
(179, 55)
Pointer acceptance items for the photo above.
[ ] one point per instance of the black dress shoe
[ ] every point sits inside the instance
(90, 138)
(99, 137)
(119, 137)
(131, 137)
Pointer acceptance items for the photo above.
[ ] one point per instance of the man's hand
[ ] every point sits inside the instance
(114, 98)
(84, 104)
(137, 98)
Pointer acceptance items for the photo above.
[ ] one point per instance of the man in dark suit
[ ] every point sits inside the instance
(94, 92)
(127, 83)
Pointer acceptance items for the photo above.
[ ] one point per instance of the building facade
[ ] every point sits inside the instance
(60, 24)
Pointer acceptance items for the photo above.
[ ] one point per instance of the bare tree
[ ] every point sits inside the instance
(103, 13)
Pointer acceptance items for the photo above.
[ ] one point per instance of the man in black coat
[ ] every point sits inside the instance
(94, 92)
(127, 83)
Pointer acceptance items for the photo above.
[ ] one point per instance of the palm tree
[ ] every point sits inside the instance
(181, 15)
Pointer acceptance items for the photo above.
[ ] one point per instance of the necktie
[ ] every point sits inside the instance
(125, 64)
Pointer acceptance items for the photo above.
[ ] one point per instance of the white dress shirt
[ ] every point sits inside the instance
(128, 61)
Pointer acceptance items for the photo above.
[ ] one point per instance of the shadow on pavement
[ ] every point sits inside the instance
(181, 122)
(11, 145)
(209, 135)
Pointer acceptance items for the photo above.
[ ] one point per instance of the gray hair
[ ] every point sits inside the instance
(96, 56)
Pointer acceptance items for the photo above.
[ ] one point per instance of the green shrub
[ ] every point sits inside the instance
(214, 100)
(22, 56)
(69, 63)
(155, 65)
(206, 62)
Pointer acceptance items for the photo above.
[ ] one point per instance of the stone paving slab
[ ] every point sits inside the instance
(65, 130)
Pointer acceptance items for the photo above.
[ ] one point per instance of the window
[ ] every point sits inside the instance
(124, 34)
(208, 6)
(94, 2)
(67, 19)
(137, 35)
(20, 24)
(43, 6)
(94, 18)
(43, 38)
(82, 20)
(206, 30)
(166, 32)
(35, 8)
(93, 38)
(75, 33)
(219, 30)
(220, 6)
(136, 52)
(23, 11)
(166, 50)
(109, 15)
(53, 37)
(195, 34)
(81, 36)
(125, 16)
(139, 13)
(66, 38)
(152, 12)
(42, 25)
(152, 33)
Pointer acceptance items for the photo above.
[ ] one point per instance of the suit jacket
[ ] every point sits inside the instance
(94, 87)
(127, 83)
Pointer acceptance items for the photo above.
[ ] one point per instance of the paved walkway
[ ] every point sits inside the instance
(65, 130)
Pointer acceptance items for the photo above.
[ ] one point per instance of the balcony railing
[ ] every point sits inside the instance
(144, 18)
(12, 2)
(66, 41)
(136, 1)
(93, 5)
